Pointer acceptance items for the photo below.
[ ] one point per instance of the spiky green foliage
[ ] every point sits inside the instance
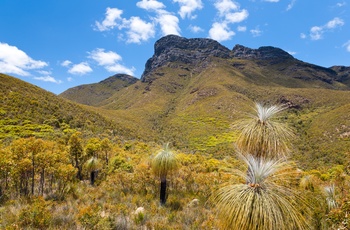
(264, 201)
(262, 135)
(164, 162)
(330, 196)
(93, 164)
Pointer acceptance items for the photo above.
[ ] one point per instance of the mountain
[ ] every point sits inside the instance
(93, 94)
(192, 90)
(27, 110)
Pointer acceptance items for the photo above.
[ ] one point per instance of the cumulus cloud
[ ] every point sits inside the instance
(118, 68)
(226, 6)
(256, 32)
(237, 17)
(16, 61)
(139, 30)
(316, 32)
(136, 29)
(220, 32)
(80, 69)
(169, 23)
(150, 5)
(195, 29)
(48, 79)
(105, 58)
(229, 12)
(110, 61)
(187, 7)
(66, 63)
(112, 16)
(347, 46)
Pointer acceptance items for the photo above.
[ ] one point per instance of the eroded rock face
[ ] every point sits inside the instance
(263, 53)
(173, 48)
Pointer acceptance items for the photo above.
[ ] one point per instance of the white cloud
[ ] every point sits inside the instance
(80, 69)
(347, 46)
(256, 32)
(241, 28)
(150, 5)
(291, 5)
(225, 6)
(48, 79)
(271, 0)
(139, 30)
(66, 63)
(316, 32)
(229, 13)
(69, 79)
(105, 58)
(195, 29)
(292, 52)
(340, 4)
(118, 68)
(188, 6)
(110, 61)
(237, 16)
(302, 36)
(169, 24)
(110, 21)
(220, 32)
(336, 22)
(15, 61)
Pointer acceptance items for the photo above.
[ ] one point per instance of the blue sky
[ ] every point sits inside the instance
(58, 44)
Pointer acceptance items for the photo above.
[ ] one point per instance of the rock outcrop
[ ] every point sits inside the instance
(173, 48)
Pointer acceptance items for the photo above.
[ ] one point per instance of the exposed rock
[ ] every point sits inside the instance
(173, 48)
(263, 53)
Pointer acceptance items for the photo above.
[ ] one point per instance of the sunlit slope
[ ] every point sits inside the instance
(27, 110)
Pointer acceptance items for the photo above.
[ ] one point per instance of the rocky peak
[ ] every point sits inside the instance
(174, 48)
(263, 53)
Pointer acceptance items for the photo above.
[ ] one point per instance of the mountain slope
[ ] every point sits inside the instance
(93, 94)
(27, 110)
(192, 90)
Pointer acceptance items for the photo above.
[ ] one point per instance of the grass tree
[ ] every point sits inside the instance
(92, 166)
(262, 135)
(164, 163)
(263, 201)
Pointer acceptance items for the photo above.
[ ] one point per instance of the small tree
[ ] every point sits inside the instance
(163, 164)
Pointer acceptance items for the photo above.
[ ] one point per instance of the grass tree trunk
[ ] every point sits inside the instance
(162, 190)
(92, 177)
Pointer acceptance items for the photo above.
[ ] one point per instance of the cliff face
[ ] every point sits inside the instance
(173, 48)
(263, 53)
(197, 52)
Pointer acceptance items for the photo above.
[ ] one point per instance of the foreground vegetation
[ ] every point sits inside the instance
(48, 184)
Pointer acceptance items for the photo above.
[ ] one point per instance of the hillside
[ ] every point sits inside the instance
(27, 110)
(192, 90)
(93, 94)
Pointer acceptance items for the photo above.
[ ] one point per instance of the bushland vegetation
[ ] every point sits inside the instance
(81, 180)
